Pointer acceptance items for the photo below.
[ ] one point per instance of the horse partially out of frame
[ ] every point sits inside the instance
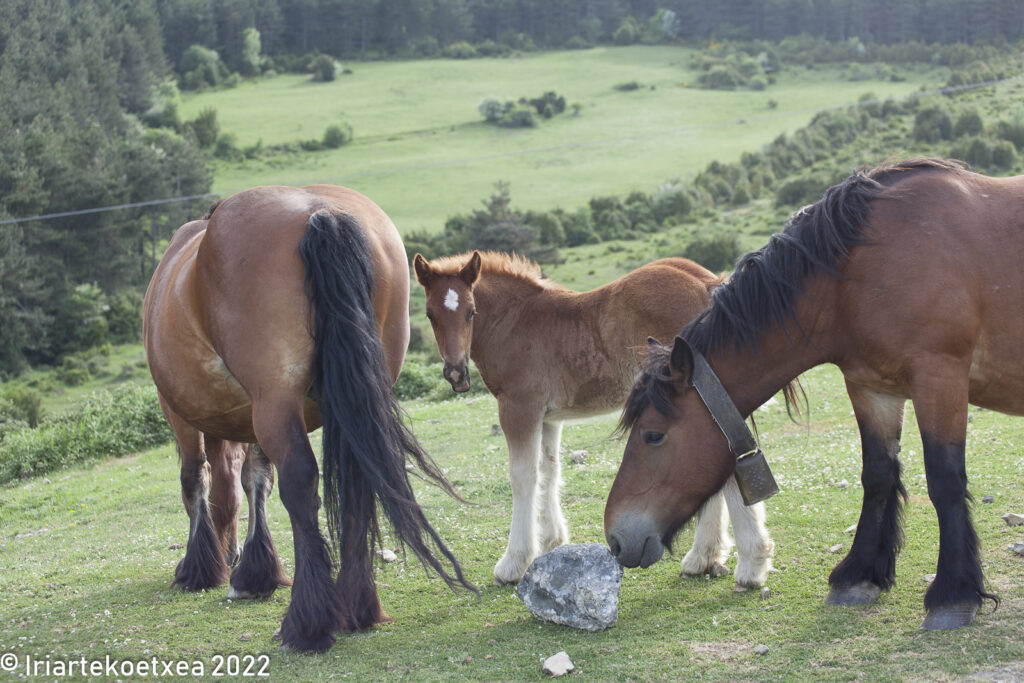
(906, 277)
(282, 310)
(549, 354)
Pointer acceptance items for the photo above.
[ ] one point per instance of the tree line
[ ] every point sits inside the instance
(88, 112)
(361, 28)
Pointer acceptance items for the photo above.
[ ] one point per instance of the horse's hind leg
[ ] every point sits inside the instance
(553, 530)
(870, 566)
(316, 608)
(939, 393)
(711, 542)
(754, 547)
(203, 565)
(225, 458)
(259, 571)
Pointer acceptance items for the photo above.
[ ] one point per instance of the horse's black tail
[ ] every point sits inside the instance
(365, 441)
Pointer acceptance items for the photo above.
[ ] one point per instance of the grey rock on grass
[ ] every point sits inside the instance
(574, 585)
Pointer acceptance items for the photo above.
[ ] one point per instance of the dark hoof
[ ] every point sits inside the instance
(863, 593)
(951, 616)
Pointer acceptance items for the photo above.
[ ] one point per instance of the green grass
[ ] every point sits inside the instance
(423, 152)
(87, 555)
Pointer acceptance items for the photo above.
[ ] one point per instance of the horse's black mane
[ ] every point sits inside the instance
(762, 291)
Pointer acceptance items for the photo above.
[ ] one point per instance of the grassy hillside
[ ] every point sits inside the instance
(423, 152)
(87, 555)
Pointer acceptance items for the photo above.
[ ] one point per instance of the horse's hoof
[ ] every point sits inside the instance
(863, 593)
(235, 594)
(950, 616)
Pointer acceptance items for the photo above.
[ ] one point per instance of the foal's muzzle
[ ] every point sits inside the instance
(457, 376)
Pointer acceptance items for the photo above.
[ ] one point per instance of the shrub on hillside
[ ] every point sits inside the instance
(335, 136)
(1012, 130)
(1003, 155)
(517, 116)
(202, 67)
(715, 252)
(932, 124)
(460, 50)
(109, 424)
(324, 68)
(23, 404)
(968, 122)
(799, 191)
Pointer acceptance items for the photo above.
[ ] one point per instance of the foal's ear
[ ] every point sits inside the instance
(422, 268)
(651, 341)
(681, 361)
(470, 272)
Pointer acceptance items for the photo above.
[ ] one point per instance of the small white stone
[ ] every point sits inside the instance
(558, 665)
(988, 499)
(1013, 519)
(387, 555)
(852, 529)
(1017, 548)
(843, 484)
(579, 457)
(760, 650)
(837, 548)
(928, 578)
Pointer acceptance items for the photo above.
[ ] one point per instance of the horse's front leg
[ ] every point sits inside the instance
(553, 529)
(940, 401)
(754, 547)
(870, 566)
(711, 542)
(522, 428)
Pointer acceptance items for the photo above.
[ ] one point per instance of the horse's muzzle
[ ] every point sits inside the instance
(634, 541)
(457, 376)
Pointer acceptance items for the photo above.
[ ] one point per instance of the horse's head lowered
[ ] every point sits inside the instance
(451, 309)
(676, 457)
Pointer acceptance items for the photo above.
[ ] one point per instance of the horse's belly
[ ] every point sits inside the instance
(208, 397)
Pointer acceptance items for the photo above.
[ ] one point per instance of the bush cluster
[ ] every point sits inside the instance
(521, 113)
(109, 424)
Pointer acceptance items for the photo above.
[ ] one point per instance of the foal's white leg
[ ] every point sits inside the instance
(754, 547)
(711, 542)
(552, 529)
(523, 435)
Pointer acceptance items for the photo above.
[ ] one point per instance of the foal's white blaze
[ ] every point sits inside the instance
(451, 300)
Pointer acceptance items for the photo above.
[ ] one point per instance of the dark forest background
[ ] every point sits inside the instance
(87, 117)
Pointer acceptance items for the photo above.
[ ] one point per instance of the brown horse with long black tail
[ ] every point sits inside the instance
(908, 279)
(285, 309)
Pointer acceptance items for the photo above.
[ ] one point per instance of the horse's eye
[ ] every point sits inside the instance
(653, 438)
(430, 316)
(470, 314)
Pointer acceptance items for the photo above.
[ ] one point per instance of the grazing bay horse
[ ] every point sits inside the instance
(906, 277)
(549, 354)
(282, 310)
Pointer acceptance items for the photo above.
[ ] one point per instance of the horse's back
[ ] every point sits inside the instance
(939, 274)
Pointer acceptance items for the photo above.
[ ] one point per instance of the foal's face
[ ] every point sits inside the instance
(451, 309)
